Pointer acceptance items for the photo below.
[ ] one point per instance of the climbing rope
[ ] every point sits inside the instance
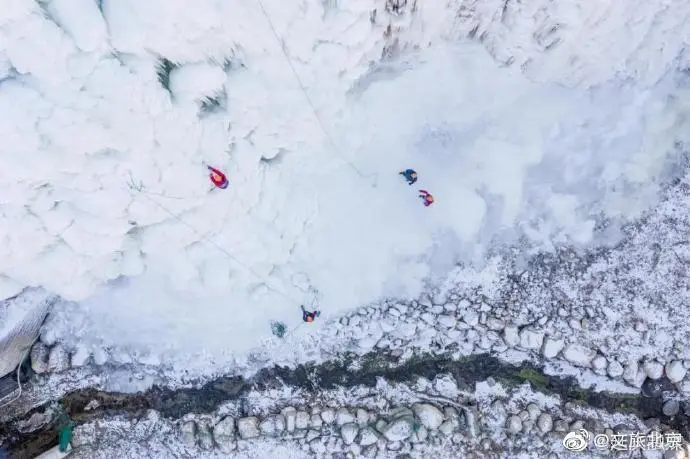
(220, 248)
(139, 186)
(19, 379)
(303, 88)
(285, 332)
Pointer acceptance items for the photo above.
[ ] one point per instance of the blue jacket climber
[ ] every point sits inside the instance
(410, 175)
(309, 316)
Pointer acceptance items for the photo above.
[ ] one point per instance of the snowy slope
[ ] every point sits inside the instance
(539, 147)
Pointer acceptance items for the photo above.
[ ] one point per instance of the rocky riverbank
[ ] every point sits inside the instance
(358, 404)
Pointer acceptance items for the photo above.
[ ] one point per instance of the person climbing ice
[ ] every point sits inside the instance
(218, 178)
(309, 316)
(410, 175)
(427, 197)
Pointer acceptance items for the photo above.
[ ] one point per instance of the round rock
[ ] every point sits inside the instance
(429, 416)
(514, 424)
(671, 408)
(653, 369)
(615, 369)
(675, 371)
(349, 431)
(545, 423)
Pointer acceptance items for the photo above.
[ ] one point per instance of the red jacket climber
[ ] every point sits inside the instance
(427, 197)
(218, 178)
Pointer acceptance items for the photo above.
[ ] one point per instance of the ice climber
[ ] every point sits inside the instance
(410, 175)
(309, 316)
(427, 197)
(218, 178)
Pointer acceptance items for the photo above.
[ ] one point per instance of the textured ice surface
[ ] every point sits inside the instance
(582, 122)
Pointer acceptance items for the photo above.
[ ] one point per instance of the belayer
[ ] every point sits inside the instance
(308, 316)
(427, 197)
(410, 175)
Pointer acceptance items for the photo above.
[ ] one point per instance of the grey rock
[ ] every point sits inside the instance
(302, 420)
(447, 321)
(362, 416)
(39, 357)
(493, 323)
(38, 420)
(80, 357)
(615, 369)
(471, 421)
(248, 427)
(579, 355)
(511, 336)
(224, 432)
(370, 451)
(471, 317)
(497, 411)
(290, 414)
(394, 446)
(634, 375)
(328, 416)
(368, 436)
(552, 346)
(599, 365)
(514, 424)
(349, 432)
(343, 416)
(312, 435)
(58, 359)
(316, 421)
(399, 429)
(577, 424)
(188, 432)
(545, 423)
(273, 426)
(676, 371)
(671, 408)
(401, 412)
(381, 425)
(429, 416)
(318, 447)
(531, 338)
(205, 436)
(420, 435)
(560, 425)
(524, 415)
(452, 415)
(446, 428)
(653, 369)
(533, 411)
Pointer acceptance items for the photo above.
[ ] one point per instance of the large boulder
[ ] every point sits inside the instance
(429, 416)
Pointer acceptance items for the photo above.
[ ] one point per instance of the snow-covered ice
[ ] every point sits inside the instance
(539, 149)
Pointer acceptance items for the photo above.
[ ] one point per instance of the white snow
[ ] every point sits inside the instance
(539, 149)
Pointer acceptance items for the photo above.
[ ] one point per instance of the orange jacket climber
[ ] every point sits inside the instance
(218, 178)
(427, 197)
